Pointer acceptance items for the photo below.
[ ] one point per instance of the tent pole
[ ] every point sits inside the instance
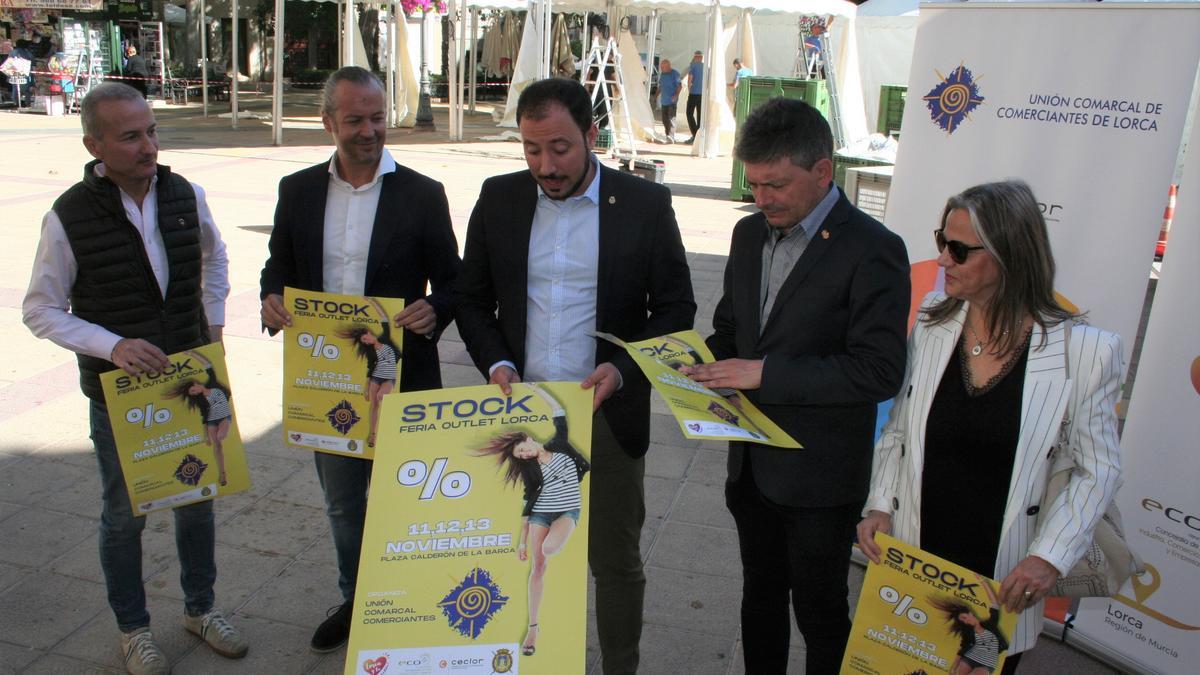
(474, 52)
(277, 84)
(233, 78)
(390, 67)
(460, 90)
(204, 55)
(651, 46)
(452, 70)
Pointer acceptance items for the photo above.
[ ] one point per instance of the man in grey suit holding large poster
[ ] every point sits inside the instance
(811, 327)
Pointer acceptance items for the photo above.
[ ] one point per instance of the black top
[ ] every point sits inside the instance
(970, 446)
(532, 473)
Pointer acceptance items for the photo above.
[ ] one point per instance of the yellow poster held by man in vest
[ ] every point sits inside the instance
(918, 613)
(474, 553)
(341, 356)
(176, 434)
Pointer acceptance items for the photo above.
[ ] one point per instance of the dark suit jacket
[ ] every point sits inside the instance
(412, 247)
(834, 346)
(644, 287)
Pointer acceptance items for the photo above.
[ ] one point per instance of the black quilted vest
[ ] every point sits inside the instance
(115, 285)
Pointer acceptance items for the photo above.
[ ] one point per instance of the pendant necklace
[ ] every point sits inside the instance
(980, 344)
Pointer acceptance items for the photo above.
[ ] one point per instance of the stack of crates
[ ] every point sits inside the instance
(891, 109)
(752, 92)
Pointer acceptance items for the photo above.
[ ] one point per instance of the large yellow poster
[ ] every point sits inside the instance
(919, 613)
(474, 555)
(701, 412)
(341, 356)
(176, 432)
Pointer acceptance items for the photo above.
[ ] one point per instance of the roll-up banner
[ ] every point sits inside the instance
(1155, 620)
(1086, 103)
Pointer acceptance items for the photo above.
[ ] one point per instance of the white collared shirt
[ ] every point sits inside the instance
(349, 221)
(564, 253)
(46, 309)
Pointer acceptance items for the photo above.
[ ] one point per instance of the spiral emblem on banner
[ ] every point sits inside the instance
(472, 603)
(953, 99)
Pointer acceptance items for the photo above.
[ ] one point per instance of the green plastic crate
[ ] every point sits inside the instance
(754, 91)
(604, 140)
(891, 109)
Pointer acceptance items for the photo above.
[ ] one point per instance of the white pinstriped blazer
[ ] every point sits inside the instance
(1090, 392)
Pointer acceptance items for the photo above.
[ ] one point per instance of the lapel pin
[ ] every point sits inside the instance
(824, 234)
(612, 200)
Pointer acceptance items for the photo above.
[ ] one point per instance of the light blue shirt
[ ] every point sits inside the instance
(781, 251)
(564, 255)
(696, 77)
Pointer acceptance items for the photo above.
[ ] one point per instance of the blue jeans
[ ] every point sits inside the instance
(121, 540)
(345, 480)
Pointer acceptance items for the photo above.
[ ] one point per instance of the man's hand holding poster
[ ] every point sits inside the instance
(918, 613)
(702, 413)
(341, 356)
(176, 434)
(474, 552)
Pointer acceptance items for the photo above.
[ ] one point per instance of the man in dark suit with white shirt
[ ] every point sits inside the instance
(811, 327)
(553, 253)
(361, 224)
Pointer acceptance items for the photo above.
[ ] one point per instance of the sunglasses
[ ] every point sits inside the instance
(958, 250)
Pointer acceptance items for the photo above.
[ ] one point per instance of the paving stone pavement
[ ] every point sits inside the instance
(275, 559)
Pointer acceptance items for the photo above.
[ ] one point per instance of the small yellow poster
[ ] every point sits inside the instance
(341, 356)
(474, 554)
(919, 613)
(702, 413)
(176, 432)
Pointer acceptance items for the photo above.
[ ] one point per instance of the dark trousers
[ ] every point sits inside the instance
(618, 509)
(693, 113)
(796, 555)
(345, 480)
(668, 118)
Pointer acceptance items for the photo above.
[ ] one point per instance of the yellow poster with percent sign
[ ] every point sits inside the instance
(702, 413)
(476, 497)
(341, 356)
(919, 613)
(176, 434)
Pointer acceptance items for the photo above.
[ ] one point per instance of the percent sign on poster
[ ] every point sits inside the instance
(903, 605)
(431, 481)
(317, 344)
(148, 416)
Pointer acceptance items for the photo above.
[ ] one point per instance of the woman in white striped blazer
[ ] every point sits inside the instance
(961, 467)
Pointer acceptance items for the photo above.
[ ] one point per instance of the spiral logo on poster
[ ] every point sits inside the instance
(342, 417)
(953, 99)
(472, 603)
(190, 470)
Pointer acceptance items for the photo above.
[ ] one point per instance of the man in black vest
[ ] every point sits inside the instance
(361, 224)
(99, 288)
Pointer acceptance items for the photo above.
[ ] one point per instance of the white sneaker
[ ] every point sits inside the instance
(220, 635)
(142, 655)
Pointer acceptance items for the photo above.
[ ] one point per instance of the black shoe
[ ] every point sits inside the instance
(334, 630)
